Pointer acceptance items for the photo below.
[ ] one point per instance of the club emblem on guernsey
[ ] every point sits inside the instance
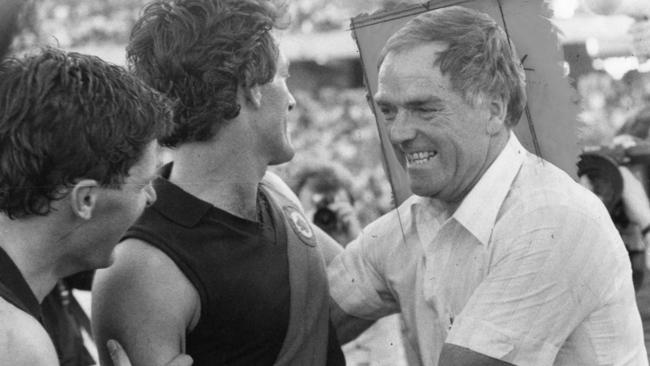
(300, 225)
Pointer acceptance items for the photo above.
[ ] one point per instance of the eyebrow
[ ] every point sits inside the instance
(425, 101)
(412, 102)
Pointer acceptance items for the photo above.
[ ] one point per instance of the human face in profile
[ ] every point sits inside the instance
(117, 209)
(272, 127)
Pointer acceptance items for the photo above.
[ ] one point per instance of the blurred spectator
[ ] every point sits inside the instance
(635, 235)
(327, 193)
(337, 125)
(638, 126)
(9, 10)
(617, 174)
(325, 190)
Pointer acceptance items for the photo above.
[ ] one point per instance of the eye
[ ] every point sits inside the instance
(427, 112)
(388, 112)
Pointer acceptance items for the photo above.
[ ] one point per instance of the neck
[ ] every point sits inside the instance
(32, 252)
(226, 178)
(499, 142)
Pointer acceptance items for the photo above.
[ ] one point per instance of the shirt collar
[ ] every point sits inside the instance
(479, 210)
(429, 215)
(176, 204)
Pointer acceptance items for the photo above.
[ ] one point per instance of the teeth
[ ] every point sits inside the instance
(420, 157)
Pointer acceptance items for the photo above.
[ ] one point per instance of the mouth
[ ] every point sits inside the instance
(420, 158)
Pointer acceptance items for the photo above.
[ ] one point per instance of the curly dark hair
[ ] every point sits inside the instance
(66, 117)
(199, 52)
(480, 60)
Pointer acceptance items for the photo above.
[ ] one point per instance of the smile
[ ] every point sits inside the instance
(420, 157)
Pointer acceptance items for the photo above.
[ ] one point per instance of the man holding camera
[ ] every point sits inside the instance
(326, 193)
(615, 173)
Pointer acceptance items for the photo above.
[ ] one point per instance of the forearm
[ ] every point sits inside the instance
(347, 327)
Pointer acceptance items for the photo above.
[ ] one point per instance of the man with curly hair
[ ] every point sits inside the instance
(224, 266)
(78, 154)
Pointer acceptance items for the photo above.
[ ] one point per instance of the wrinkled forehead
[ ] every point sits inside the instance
(411, 69)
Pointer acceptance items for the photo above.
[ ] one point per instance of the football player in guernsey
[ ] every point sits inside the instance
(224, 266)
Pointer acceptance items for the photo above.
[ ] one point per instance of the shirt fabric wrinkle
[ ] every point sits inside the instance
(511, 273)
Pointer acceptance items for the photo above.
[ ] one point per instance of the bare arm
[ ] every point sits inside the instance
(453, 355)
(144, 302)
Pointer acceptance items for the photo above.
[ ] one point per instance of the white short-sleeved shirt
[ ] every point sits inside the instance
(529, 269)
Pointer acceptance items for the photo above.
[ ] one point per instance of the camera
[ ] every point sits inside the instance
(325, 218)
(600, 164)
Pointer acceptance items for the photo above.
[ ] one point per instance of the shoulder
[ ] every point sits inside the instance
(547, 215)
(145, 302)
(23, 341)
(143, 275)
(542, 185)
(381, 244)
(391, 227)
(276, 183)
(136, 257)
(545, 197)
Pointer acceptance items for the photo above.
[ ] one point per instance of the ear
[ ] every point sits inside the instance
(498, 110)
(83, 198)
(253, 95)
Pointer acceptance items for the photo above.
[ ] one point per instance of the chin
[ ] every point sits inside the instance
(109, 260)
(284, 157)
(419, 191)
(421, 188)
(106, 260)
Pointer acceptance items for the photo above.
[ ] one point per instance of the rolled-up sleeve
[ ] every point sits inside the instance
(356, 282)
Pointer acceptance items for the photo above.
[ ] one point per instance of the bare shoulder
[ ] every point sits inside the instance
(140, 264)
(144, 302)
(23, 341)
(147, 273)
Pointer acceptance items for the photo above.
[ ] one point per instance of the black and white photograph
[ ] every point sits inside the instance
(324, 182)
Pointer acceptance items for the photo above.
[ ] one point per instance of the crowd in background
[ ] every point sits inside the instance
(337, 125)
(607, 104)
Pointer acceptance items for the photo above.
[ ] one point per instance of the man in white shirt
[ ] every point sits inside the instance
(500, 257)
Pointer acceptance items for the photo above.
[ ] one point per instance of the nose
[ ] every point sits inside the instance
(151, 194)
(401, 129)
